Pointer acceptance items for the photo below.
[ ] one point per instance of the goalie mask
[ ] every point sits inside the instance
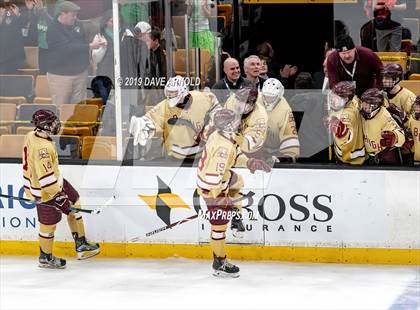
(372, 101)
(226, 121)
(415, 109)
(342, 93)
(392, 75)
(46, 120)
(175, 90)
(272, 93)
(245, 100)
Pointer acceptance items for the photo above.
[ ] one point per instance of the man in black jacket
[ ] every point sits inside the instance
(68, 56)
(231, 82)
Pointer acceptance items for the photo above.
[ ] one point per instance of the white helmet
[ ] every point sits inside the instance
(272, 92)
(176, 84)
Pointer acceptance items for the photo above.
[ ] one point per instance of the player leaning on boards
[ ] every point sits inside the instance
(220, 186)
(179, 119)
(44, 183)
(282, 141)
(382, 135)
(345, 122)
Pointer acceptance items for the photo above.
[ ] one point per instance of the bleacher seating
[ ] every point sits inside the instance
(396, 57)
(17, 86)
(7, 116)
(42, 90)
(11, 146)
(99, 148)
(79, 119)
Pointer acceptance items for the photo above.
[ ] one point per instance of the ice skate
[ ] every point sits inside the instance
(237, 226)
(50, 261)
(222, 268)
(85, 249)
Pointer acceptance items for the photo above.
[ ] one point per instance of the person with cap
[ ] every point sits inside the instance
(357, 64)
(68, 56)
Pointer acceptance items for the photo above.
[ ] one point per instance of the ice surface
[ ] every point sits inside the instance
(188, 284)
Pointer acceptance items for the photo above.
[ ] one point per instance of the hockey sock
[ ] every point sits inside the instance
(46, 237)
(75, 221)
(217, 241)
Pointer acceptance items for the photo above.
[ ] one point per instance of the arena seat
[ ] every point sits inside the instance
(396, 57)
(99, 148)
(17, 86)
(180, 65)
(16, 100)
(414, 76)
(11, 146)
(79, 119)
(7, 117)
(31, 56)
(42, 90)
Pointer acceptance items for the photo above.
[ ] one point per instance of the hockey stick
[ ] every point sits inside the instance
(94, 211)
(247, 196)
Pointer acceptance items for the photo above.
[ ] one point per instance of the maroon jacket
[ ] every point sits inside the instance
(368, 73)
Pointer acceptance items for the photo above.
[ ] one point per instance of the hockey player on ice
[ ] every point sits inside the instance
(43, 182)
(219, 185)
(179, 119)
(282, 142)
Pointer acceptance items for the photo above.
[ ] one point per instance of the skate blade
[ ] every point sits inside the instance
(51, 267)
(87, 254)
(238, 234)
(222, 274)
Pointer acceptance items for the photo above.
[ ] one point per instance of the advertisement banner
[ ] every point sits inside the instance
(291, 207)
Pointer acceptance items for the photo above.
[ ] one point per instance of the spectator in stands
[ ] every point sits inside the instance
(388, 31)
(357, 64)
(285, 74)
(264, 68)
(157, 55)
(252, 69)
(232, 80)
(12, 53)
(68, 56)
(304, 81)
(200, 35)
(104, 55)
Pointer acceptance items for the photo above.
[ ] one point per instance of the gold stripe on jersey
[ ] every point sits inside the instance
(350, 148)
(373, 128)
(41, 174)
(414, 126)
(282, 138)
(180, 140)
(253, 127)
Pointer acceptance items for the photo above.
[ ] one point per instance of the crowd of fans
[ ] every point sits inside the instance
(356, 105)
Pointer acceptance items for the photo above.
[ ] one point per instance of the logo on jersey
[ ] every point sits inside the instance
(164, 201)
(43, 153)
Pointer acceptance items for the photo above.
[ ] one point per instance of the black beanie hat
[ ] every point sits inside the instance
(344, 43)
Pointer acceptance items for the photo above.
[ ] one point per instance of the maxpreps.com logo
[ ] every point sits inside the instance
(298, 213)
(164, 202)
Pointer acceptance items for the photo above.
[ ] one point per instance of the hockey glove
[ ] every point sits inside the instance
(397, 113)
(388, 139)
(61, 202)
(254, 164)
(409, 141)
(142, 128)
(338, 127)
